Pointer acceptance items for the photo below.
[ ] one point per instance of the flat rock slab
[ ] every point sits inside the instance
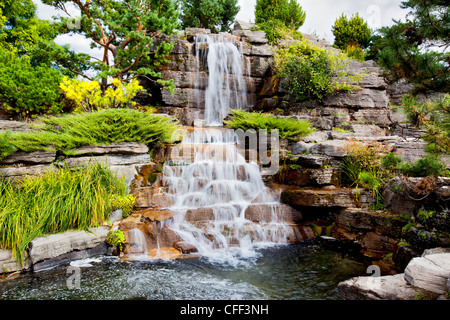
(332, 148)
(35, 157)
(344, 198)
(377, 288)
(430, 272)
(8, 264)
(13, 126)
(19, 172)
(118, 147)
(111, 160)
(55, 245)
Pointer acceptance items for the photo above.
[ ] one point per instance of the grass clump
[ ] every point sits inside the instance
(72, 131)
(290, 129)
(56, 201)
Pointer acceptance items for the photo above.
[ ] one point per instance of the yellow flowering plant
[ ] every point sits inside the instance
(88, 96)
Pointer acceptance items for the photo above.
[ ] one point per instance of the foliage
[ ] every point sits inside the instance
(27, 90)
(216, 15)
(288, 128)
(309, 72)
(355, 52)
(116, 238)
(279, 18)
(408, 49)
(88, 96)
(20, 29)
(54, 202)
(101, 127)
(423, 167)
(126, 203)
(125, 29)
(6, 148)
(434, 117)
(353, 31)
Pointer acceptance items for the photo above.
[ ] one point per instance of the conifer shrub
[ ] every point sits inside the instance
(290, 129)
(72, 131)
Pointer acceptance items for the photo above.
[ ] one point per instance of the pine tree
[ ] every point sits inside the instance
(417, 49)
(124, 29)
(354, 31)
(216, 15)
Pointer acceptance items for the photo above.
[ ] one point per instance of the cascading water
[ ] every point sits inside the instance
(212, 188)
(218, 194)
(226, 84)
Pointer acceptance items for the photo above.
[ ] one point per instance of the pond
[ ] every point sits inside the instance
(307, 271)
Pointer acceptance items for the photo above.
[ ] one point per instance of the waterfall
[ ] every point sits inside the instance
(213, 189)
(226, 86)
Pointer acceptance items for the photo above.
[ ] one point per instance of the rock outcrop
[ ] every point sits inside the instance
(427, 276)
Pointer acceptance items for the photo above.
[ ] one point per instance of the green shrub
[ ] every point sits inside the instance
(6, 148)
(426, 166)
(26, 90)
(354, 31)
(309, 72)
(288, 128)
(116, 238)
(276, 30)
(53, 202)
(125, 203)
(101, 127)
(355, 52)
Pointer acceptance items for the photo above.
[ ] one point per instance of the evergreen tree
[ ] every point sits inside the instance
(289, 12)
(279, 18)
(417, 49)
(123, 29)
(20, 29)
(351, 32)
(216, 15)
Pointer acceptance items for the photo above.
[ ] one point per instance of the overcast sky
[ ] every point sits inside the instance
(320, 16)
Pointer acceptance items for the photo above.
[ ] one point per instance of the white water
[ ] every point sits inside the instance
(226, 85)
(216, 179)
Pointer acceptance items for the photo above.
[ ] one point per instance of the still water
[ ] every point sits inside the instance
(300, 271)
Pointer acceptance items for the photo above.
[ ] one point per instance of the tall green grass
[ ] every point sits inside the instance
(70, 132)
(54, 202)
(290, 129)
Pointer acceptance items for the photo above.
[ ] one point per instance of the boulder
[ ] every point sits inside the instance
(8, 264)
(411, 149)
(317, 136)
(392, 287)
(430, 272)
(13, 126)
(332, 148)
(113, 148)
(20, 172)
(242, 25)
(365, 98)
(343, 198)
(300, 147)
(52, 246)
(271, 213)
(35, 157)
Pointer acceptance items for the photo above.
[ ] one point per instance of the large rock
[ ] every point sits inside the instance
(20, 172)
(430, 272)
(55, 245)
(113, 148)
(8, 264)
(35, 157)
(343, 198)
(365, 98)
(13, 126)
(411, 149)
(272, 213)
(332, 148)
(376, 288)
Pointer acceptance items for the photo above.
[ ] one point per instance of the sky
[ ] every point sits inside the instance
(320, 16)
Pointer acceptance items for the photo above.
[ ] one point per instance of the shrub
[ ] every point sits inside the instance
(276, 30)
(88, 96)
(353, 31)
(288, 128)
(26, 90)
(55, 201)
(126, 203)
(308, 71)
(101, 127)
(116, 238)
(355, 52)
(6, 148)
(426, 166)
